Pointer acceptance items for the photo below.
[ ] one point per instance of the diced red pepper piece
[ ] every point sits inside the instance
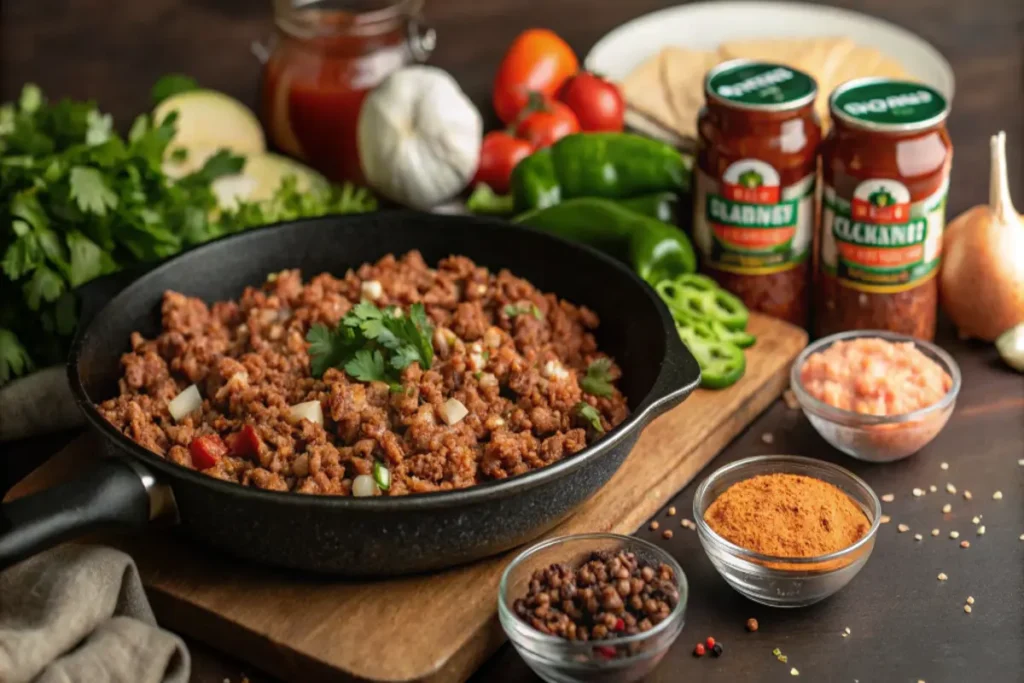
(206, 451)
(245, 442)
(605, 651)
(620, 625)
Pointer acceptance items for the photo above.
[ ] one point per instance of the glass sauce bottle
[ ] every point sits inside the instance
(885, 169)
(326, 56)
(754, 205)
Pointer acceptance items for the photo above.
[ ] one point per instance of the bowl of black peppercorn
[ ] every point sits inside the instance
(592, 607)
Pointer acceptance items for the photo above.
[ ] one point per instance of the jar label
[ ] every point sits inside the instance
(749, 223)
(879, 241)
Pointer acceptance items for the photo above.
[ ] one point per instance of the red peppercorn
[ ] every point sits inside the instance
(620, 625)
(606, 651)
(710, 642)
(699, 650)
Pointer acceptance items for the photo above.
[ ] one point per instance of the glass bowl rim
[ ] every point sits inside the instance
(532, 634)
(852, 418)
(746, 553)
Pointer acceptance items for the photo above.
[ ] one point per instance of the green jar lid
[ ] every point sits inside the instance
(887, 105)
(759, 86)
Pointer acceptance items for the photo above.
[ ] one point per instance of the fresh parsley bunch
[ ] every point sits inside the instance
(78, 201)
(373, 344)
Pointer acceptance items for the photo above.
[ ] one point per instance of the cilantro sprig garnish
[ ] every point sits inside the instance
(598, 380)
(589, 414)
(373, 344)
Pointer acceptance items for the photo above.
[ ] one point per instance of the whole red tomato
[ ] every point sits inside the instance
(597, 103)
(547, 124)
(536, 61)
(498, 156)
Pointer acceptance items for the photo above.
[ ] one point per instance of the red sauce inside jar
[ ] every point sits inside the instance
(324, 63)
(754, 212)
(885, 169)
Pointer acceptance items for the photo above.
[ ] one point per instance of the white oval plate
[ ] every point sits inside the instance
(705, 25)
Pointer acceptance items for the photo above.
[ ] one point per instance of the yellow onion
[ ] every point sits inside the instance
(982, 277)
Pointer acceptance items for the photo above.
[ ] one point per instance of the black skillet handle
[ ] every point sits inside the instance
(113, 494)
(678, 377)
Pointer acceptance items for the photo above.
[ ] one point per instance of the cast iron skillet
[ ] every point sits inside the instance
(342, 535)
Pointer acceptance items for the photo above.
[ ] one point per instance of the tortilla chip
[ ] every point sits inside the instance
(645, 92)
(683, 73)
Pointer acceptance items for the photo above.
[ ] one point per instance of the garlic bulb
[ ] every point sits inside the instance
(982, 277)
(419, 137)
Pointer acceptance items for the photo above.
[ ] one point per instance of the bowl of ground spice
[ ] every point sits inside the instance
(592, 607)
(784, 530)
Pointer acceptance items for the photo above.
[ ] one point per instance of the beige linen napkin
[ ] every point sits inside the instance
(78, 613)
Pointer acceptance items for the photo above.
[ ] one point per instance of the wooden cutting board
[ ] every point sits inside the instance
(435, 628)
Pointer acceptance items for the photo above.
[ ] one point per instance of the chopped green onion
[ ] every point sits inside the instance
(381, 475)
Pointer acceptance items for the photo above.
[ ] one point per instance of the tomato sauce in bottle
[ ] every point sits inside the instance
(754, 204)
(326, 57)
(885, 168)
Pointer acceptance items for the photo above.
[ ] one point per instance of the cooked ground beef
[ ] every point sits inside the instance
(510, 354)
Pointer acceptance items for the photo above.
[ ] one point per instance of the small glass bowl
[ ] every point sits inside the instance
(877, 438)
(557, 660)
(776, 581)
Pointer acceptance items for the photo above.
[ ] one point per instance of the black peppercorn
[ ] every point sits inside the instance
(717, 649)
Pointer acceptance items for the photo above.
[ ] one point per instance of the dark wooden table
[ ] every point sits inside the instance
(905, 625)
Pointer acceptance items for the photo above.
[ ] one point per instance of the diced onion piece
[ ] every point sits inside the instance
(487, 379)
(492, 337)
(453, 411)
(310, 410)
(372, 289)
(185, 403)
(476, 362)
(364, 486)
(239, 379)
(554, 370)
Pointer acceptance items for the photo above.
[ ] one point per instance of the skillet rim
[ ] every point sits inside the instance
(646, 409)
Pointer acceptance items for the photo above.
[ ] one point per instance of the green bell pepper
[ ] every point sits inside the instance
(607, 165)
(656, 251)
(661, 205)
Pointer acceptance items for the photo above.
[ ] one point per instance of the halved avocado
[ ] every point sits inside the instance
(209, 121)
(260, 178)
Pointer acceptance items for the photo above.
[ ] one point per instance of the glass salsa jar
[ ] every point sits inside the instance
(325, 57)
(754, 205)
(885, 170)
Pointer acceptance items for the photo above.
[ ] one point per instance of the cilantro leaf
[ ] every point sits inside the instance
(222, 163)
(45, 285)
(100, 126)
(22, 256)
(598, 381)
(31, 98)
(87, 259)
(329, 348)
(14, 359)
(90, 191)
(170, 85)
(589, 414)
(367, 366)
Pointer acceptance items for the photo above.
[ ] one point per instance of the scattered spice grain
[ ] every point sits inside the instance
(717, 649)
(672, 511)
(885, 519)
(787, 515)
(935, 532)
(666, 534)
(954, 534)
(965, 544)
(710, 641)
(752, 625)
(654, 526)
(918, 537)
(918, 492)
(967, 608)
(791, 401)
(767, 438)
(970, 600)
(888, 498)
(947, 508)
(967, 495)
(699, 650)
(942, 576)
(902, 528)
(981, 530)
(950, 488)
(794, 672)
(944, 465)
(933, 488)
(975, 520)
(998, 495)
